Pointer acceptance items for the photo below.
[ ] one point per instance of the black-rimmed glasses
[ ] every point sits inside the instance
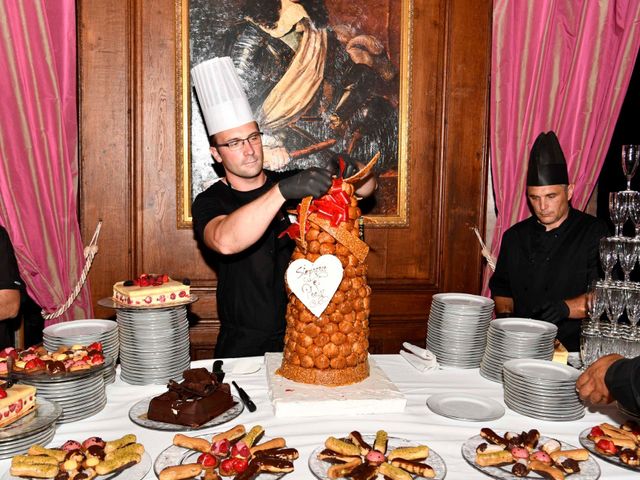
(237, 143)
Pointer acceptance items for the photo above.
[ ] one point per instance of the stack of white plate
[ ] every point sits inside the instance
(154, 344)
(85, 332)
(510, 338)
(457, 329)
(38, 427)
(542, 389)
(80, 394)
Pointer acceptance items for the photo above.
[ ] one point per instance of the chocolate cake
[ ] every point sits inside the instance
(192, 402)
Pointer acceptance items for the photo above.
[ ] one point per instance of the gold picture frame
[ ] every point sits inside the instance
(184, 168)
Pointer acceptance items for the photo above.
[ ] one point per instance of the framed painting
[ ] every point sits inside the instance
(323, 77)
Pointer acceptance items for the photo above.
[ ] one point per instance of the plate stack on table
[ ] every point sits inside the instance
(38, 426)
(85, 332)
(542, 389)
(510, 338)
(457, 329)
(81, 394)
(154, 344)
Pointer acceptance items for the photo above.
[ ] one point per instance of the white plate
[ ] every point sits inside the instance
(542, 370)
(524, 327)
(319, 467)
(138, 415)
(589, 469)
(464, 406)
(463, 300)
(44, 415)
(80, 328)
(174, 455)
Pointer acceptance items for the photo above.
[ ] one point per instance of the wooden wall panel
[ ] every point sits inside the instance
(128, 163)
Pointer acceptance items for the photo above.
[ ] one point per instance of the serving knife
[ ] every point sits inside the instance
(246, 399)
(217, 369)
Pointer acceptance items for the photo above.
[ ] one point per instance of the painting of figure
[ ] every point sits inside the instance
(322, 77)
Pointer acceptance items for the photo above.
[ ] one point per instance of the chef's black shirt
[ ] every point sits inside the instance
(536, 266)
(251, 293)
(9, 280)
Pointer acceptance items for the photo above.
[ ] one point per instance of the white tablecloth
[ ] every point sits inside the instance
(417, 423)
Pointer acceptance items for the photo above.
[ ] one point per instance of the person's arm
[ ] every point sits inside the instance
(591, 385)
(9, 304)
(233, 233)
(577, 306)
(237, 231)
(504, 306)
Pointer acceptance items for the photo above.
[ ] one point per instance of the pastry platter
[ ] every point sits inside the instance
(46, 378)
(320, 467)
(589, 445)
(136, 472)
(138, 415)
(109, 302)
(589, 469)
(45, 414)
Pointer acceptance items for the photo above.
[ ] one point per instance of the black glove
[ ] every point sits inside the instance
(313, 181)
(552, 312)
(351, 167)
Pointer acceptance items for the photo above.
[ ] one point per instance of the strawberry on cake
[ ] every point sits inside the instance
(151, 290)
(15, 402)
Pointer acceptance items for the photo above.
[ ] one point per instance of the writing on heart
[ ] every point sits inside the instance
(314, 283)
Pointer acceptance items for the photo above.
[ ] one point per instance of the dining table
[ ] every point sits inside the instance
(417, 423)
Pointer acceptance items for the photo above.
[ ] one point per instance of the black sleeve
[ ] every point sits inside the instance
(623, 381)
(9, 275)
(499, 283)
(205, 208)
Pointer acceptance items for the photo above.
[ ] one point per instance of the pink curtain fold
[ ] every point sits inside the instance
(561, 65)
(38, 149)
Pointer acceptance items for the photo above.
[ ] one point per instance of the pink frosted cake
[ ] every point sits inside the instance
(150, 290)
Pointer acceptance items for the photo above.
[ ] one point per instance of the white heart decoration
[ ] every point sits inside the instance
(315, 283)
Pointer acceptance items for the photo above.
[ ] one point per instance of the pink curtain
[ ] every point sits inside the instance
(38, 149)
(561, 65)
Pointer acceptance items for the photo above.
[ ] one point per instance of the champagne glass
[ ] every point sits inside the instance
(633, 308)
(608, 257)
(596, 303)
(630, 157)
(615, 307)
(617, 210)
(633, 206)
(627, 256)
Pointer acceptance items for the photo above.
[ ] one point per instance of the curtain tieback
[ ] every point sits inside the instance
(486, 253)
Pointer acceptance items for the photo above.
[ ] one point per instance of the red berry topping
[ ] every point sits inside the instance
(3, 393)
(148, 299)
(97, 358)
(227, 467)
(607, 447)
(207, 460)
(34, 364)
(95, 346)
(240, 464)
(240, 450)
(221, 448)
(182, 293)
(596, 432)
(71, 445)
(165, 278)
(93, 441)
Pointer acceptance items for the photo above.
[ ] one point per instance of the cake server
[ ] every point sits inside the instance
(246, 399)
(217, 369)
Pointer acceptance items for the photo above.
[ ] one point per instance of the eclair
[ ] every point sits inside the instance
(281, 453)
(492, 437)
(181, 472)
(380, 443)
(120, 442)
(342, 447)
(417, 468)
(578, 454)
(273, 465)
(192, 443)
(343, 469)
(330, 456)
(252, 435)
(364, 472)
(419, 452)
(494, 458)
(271, 444)
(231, 435)
(393, 472)
(356, 439)
(543, 469)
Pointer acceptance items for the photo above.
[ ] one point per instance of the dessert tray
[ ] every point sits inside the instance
(176, 456)
(138, 415)
(44, 415)
(589, 445)
(109, 302)
(136, 472)
(589, 469)
(43, 377)
(465, 406)
(320, 467)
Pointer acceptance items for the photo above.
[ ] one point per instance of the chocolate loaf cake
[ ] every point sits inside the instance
(192, 402)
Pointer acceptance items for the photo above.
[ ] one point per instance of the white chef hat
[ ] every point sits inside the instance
(222, 99)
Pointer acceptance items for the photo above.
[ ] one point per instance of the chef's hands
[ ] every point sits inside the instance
(313, 181)
(553, 312)
(351, 167)
(591, 385)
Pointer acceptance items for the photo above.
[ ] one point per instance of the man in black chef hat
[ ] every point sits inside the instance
(547, 261)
